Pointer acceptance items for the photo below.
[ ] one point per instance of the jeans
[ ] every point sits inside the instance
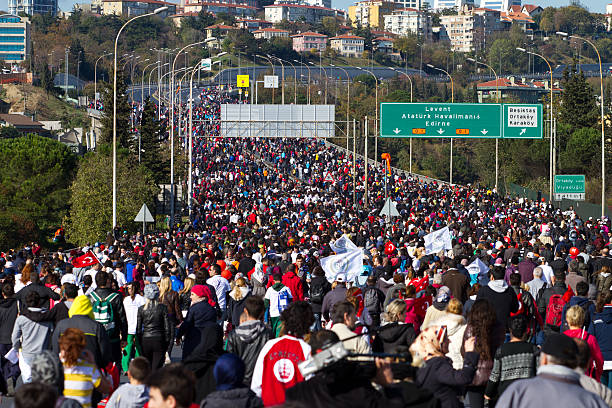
(316, 326)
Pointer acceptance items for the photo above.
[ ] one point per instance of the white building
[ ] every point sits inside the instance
(276, 13)
(269, 33)
(409, 21)
(319, 3)
(31, 7)
(499, 5)
(348, 45)
(470, 28)
(415, 4)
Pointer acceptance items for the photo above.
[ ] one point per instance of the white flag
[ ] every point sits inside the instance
(437, 241)
(343, 244)
(349, 264)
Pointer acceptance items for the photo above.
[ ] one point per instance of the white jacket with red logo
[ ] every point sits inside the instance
(276, 368)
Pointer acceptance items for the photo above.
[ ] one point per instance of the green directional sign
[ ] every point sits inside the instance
(570, 186)
(463, 120)
(522, 121)
(426, 120)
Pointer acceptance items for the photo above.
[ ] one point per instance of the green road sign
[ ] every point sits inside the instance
(426, 120)
(522, 121)
(465, 120)
(570, 186)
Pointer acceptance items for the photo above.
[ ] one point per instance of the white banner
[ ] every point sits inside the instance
(343, 244)
(438, 241)
(349, 264)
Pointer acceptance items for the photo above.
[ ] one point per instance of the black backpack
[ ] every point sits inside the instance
(317, 293)
(371, 300)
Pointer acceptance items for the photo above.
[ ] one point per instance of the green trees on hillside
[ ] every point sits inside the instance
(35, 174)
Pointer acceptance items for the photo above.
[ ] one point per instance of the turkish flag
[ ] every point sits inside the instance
(85, 260)
(421, 304)
(389, 248)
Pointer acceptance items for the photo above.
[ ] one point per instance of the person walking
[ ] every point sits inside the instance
(131, 303)
(153, 327)
(30, 337)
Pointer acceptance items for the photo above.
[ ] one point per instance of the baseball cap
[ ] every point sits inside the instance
(341, 278)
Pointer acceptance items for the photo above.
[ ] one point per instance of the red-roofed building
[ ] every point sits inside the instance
(531, 10)
(253, 24)
(383, 44)
(269, 33)
(523, 20)
(348, 45)
(309, 40)
(513, 89)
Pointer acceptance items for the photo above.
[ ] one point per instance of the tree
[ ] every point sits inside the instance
(35, 173)
(46, 81)
(581, 153)
(123, 115)
(407, 46)
(9, 132)
(91, 200)
(151, 132)
(578, 107)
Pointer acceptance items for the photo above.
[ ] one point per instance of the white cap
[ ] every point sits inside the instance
(530, 255)
(341, 278)
(68, 278)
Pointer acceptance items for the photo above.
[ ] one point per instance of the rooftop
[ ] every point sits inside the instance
(309, 34)
(18, 120)
(518, 83)
(270, 30)
(347, 37)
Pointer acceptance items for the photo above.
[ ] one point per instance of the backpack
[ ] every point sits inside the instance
(317, 293)
(103, 311)
(371, 300)
(554, 310)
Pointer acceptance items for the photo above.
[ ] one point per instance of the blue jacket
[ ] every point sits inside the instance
(177, 284)
(580, 301)
(601, 328)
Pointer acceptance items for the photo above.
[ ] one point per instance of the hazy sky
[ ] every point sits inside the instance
(596, 6)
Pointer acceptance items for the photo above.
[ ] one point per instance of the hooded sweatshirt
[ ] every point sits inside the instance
(246, 341)
(129, 396)
(277, 298)
(502, 298)
(601, 328)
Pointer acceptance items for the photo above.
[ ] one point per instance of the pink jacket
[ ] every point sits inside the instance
(411, 315)
(596, 357)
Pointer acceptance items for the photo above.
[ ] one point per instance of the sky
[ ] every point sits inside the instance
(595, 6)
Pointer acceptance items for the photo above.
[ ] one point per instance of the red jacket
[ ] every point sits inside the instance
(295, 285)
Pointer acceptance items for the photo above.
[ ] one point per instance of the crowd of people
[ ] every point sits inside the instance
(241, 292)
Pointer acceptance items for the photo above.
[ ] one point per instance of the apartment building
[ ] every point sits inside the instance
(409, 21)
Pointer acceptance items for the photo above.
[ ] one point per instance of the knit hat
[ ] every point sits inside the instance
(47, 369)
(151, 291)
(560, 346)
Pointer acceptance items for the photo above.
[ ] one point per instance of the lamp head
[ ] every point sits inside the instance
(160, 9)
(562, 34)
(521, 49)
(430, 66)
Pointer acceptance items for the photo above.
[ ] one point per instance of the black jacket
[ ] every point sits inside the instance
(44, 292)
(118, 312)
(318, 283)
(504, 303)
(154, 322)
(446, 383)
(199, 316)
(97, 340)
(392, 336)
(236, 398)
(8, 314)
(246, 341)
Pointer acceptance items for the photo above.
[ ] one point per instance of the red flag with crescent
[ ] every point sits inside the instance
(85, 260)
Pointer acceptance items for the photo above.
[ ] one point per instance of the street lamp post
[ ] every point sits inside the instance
(308, 68)
(348, 101)
(603, 126)
(272, 66)
(452, 101)
(498, 96)
(410, 139)
(376, 122)
(156, 11)
(282, 77)
(172, 130)
(325, 72)
(96, 79)
(550, 114)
